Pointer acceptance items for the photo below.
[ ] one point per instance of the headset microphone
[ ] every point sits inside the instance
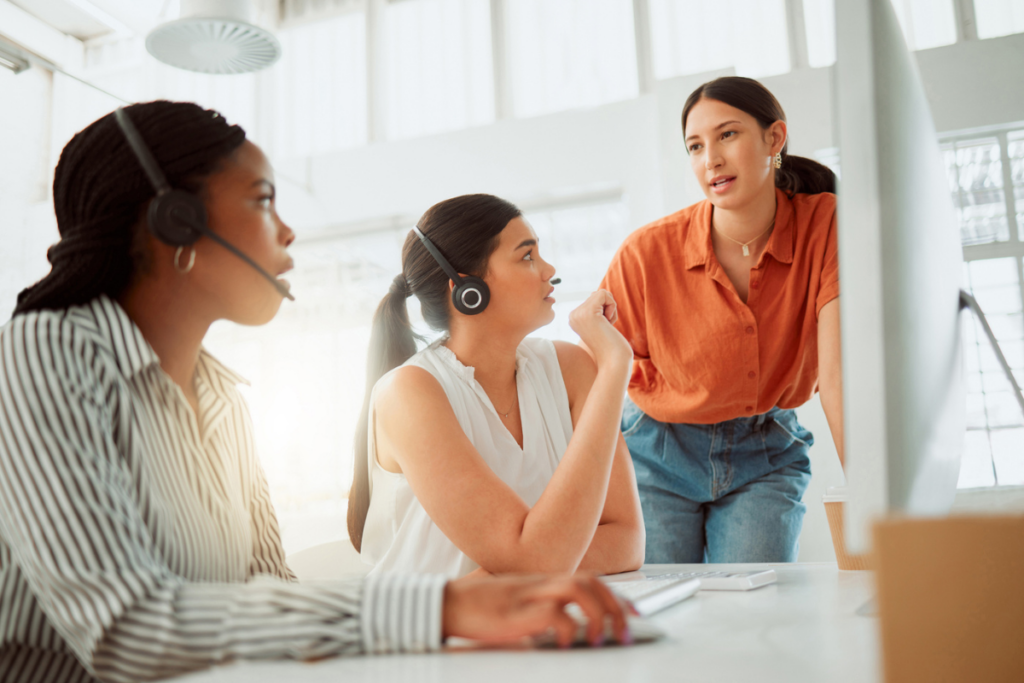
(555, 281)
(176, 217)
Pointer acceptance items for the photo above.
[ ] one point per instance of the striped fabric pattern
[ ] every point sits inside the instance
(139, 542)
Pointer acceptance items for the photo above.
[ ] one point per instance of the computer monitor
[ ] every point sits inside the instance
(900, 266)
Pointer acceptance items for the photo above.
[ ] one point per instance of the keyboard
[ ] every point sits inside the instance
(727, 581)
(652, 594)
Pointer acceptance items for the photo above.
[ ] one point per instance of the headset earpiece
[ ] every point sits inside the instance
(177, 218)
(471, 296)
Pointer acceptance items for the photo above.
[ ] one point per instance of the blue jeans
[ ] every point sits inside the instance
(726, 492)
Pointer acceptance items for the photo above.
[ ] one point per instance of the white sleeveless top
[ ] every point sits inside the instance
(399, 536)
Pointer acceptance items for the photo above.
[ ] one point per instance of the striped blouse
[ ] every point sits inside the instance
(137, 541)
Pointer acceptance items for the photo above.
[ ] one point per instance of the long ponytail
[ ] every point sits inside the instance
(392, 342)
(797, 174)
(465, 229)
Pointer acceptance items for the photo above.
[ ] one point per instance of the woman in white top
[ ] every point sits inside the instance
(488, 451)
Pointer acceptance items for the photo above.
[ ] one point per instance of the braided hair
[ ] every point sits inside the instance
(100, 192)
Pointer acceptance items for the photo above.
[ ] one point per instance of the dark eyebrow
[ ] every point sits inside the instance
(718, 127)
(526, 243)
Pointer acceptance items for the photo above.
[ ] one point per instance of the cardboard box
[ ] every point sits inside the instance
(951, 599)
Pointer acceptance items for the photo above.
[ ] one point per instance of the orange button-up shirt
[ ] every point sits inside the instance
(703, 356)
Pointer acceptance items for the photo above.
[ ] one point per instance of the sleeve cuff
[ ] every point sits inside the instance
(825, 297)
(402, 613)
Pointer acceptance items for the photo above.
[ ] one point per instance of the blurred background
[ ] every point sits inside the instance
(377, 109)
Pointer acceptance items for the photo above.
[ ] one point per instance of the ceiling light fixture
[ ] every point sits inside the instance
(214, 37)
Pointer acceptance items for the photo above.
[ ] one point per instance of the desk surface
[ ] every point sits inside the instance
(803, 628)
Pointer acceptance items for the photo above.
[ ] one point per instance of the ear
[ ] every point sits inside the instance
(451, 283)
(776, 135)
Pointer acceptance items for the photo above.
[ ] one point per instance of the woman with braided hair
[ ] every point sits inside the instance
(137, 538)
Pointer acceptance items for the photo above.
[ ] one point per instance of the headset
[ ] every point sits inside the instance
(470, 295)
(177, 217)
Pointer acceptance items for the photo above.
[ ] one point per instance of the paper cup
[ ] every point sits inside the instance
(834, 500)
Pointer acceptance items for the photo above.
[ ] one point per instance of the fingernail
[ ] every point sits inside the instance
(627, 637)
(598, 642)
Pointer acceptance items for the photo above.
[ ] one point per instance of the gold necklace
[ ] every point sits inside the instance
(511, 407)
(746, 246)
(514, 402)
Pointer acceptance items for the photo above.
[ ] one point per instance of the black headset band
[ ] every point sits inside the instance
(441, 260)
(156, 177)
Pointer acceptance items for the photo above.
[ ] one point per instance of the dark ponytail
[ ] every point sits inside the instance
(100, 191)
(465, 230)
(798, 174)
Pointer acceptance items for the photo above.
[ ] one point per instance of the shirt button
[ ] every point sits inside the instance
(751, 374)
(750, 330)
(750, 409)
(753, 283)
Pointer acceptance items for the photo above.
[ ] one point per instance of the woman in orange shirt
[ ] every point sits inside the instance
(731, 307)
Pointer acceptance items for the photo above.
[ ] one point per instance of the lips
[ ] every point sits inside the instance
(721, 183)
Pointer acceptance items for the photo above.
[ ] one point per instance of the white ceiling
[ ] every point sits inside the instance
(85, 19)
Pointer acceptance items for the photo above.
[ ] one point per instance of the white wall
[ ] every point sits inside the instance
(978, 83)
(531, 161)
(27, 226)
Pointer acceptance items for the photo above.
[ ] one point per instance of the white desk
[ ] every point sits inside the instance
(804, 628)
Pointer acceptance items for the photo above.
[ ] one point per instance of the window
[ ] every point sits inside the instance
(991, 222)
(564, 54)
(315, 97)
(693, 36)
(999, 17)
(975, 170)
(995, 427)
(1015, 153)
(820, 27)
(580, 241)
(925, 23)
(439, 74)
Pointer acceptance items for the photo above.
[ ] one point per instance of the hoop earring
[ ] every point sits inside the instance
(191, 260)
(778, 160)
